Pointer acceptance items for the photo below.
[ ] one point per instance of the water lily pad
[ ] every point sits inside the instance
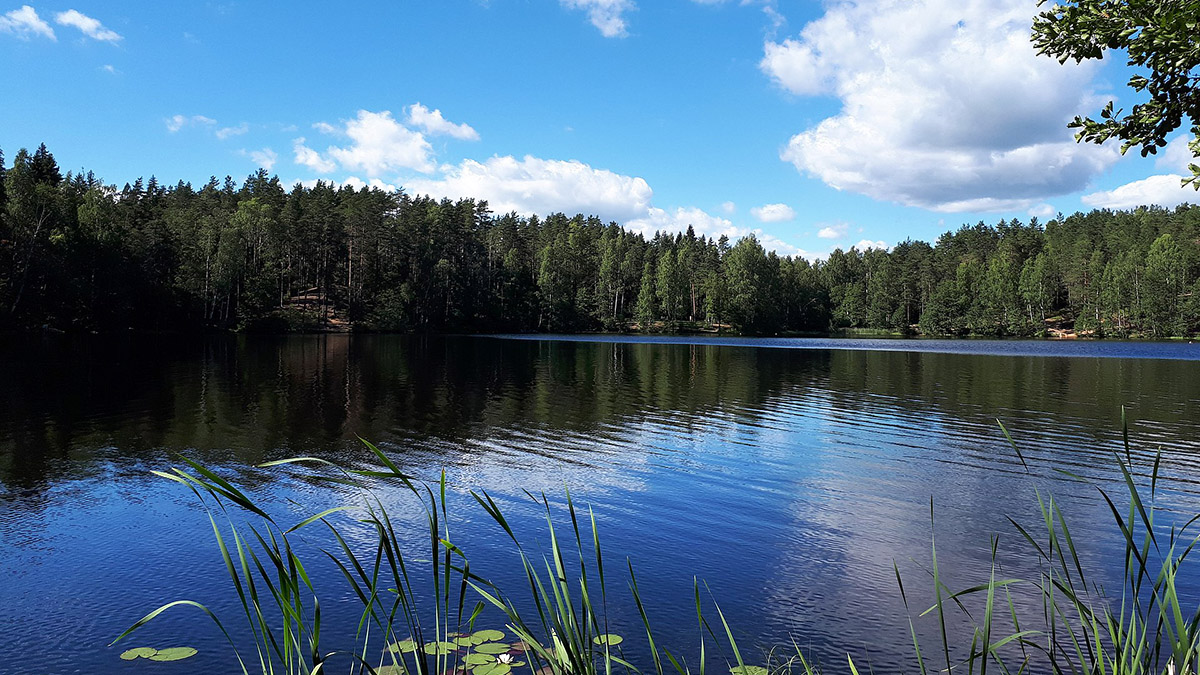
(440, 648)
(477, 659)
(174, 654)
(492, 648)
(487, 635)
(138, 653)
(613, 640)
(391, 670)
(748, 670)
(493, 669)
(404, 646)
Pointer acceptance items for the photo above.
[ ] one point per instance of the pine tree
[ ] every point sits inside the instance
(646, 312)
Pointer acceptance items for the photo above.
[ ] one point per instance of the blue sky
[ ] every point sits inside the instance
(813, 124)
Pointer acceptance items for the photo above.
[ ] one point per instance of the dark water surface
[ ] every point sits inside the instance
(789, 478)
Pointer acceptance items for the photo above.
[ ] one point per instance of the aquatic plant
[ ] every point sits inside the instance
(559, 622)
(1083, 628)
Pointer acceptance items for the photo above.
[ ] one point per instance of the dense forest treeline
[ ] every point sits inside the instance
(76, 254)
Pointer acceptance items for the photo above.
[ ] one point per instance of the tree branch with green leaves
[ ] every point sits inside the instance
(1159, 37)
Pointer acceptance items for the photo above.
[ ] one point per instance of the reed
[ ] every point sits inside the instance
(1144, 627)
(418, 615)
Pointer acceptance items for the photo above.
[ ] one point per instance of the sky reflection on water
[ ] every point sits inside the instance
(789, 479)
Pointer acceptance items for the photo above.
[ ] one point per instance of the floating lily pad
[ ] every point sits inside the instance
(138, 653)
(391, 670)
(174, 654)
(492, 648)
(493, 669)
(613, 640)
(404, 646)
(748, 670)
(477, 659)
(439, 648)
(488, 635)
(466, 641)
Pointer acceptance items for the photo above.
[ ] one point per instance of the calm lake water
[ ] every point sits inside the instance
(787, 474)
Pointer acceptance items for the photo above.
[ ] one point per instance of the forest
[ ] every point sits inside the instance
(79, 255)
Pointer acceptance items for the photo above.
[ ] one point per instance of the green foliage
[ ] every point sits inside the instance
(1077, 626)
(1159, 39)
(1062, 621)
(76, 254)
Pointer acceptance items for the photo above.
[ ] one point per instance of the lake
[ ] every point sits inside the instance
(788, 474)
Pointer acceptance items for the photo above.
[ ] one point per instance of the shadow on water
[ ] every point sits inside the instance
(65, 399)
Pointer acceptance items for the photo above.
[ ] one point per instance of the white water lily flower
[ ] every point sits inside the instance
(504, 658)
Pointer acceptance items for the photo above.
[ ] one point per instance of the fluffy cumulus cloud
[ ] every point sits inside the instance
(176, 122)
(541, 186)
(1043, 211)
(834, 231)
(953, 113)
(265, 158)
(606, 15)
(306, 156)
(868, 244)
(704, 223)
(432, 122)
(87, 25)
(773, 213)
(25, 23)
(378, 144)
(1162, 190)
(358, 184)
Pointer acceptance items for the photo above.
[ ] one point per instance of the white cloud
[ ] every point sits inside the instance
(108, 68)
(541, 186)
(380, 144)
(1162, 190)
(265, 158)
(955, 112)
(351, 181)
(728, 208)
(177, 122)
(607, 15)
(835, 231)
(773, 213)
(868, 244)
(1043, 211)
(1177, 155)
(89, 26)
(433, 123)
(678, 220)
(325, 128)
(227, 132)
(306, 156)
(25, 23)
(358, 184)
(703, 223)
